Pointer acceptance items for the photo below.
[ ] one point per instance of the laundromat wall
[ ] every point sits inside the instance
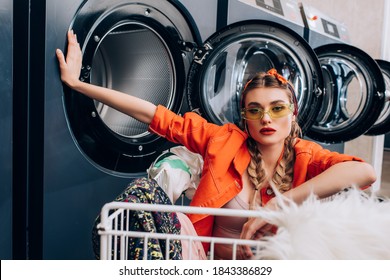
(365, 22)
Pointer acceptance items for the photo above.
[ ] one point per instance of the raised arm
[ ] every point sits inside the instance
(70, 68)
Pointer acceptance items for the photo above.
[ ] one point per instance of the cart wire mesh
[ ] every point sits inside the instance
(115, 236)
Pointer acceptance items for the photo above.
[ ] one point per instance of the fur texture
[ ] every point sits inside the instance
(350, 226)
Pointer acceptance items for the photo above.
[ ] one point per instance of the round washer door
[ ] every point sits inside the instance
(382, 125)
(354, 94)
(234, 54)
(141, 48)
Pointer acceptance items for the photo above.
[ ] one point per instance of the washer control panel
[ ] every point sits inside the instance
(287, 9)
(317, 21)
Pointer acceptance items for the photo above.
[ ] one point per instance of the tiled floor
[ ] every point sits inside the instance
(385, 180)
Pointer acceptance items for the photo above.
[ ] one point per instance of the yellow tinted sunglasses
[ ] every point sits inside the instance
(276, 111)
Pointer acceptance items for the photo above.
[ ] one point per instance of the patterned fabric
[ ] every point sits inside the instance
(144, 190)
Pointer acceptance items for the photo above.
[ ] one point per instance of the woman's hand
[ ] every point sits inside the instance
(71, 66)
(256, 228)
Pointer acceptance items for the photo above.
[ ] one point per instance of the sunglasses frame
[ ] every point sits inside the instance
(290, 106)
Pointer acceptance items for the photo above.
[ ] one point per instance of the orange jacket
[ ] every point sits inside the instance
(226, 157)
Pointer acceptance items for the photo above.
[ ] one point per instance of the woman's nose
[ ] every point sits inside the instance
(266, 118)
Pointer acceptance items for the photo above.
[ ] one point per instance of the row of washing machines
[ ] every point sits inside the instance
(63, 156)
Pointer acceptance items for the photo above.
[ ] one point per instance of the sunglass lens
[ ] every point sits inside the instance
(279, 111)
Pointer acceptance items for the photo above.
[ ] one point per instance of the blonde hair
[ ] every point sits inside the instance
(284, 171)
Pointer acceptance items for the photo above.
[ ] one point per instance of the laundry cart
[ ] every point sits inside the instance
(115, 238)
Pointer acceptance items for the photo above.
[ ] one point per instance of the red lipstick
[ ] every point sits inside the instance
(267, 131)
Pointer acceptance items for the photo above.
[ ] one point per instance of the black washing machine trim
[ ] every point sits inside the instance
(28, 131)
(375, 95)
(222, 13)
(383, 126)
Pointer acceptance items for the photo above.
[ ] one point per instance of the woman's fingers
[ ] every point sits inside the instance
(246, 252)
(70, 66)
(74, 51)
(60, 57)
(255, 228)
(266, 230)
(249, 231)
(251, 227)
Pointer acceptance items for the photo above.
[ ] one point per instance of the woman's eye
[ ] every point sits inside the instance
(278, 108)
(254, 110)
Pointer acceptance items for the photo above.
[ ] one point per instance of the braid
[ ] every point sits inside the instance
(256, 171)
(284, 172)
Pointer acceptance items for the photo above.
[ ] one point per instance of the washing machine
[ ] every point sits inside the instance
(382, 125)
(354, 95)
(6, 113)
(90, 151)
(284, 12)
(204, 16)
(154, 50)
(253, 36)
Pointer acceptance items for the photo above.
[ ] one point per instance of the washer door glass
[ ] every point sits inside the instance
(141, 50)
(382, 125)
(133, 59)
(354, 94)
(232, 56)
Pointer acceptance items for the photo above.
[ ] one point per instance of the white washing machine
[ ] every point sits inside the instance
(354, 95)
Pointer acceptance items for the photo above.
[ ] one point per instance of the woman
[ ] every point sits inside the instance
(239, 165)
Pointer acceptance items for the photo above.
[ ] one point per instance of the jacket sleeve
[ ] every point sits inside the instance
(312, 159)
(190, 130)
(322, 159)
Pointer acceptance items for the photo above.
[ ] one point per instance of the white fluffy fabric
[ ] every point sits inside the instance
(351, 226)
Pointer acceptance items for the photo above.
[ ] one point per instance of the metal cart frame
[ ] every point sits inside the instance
(111, 224)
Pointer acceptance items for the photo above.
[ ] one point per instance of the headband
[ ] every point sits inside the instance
(279, 77)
